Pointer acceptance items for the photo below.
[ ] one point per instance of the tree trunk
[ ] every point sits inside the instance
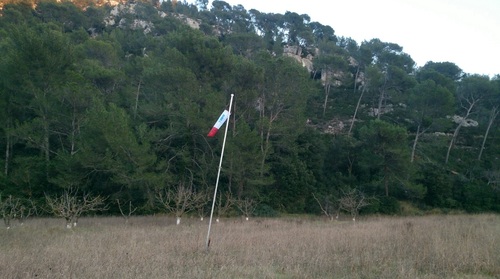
(74, 128)
(355, 80)
(7, 153)
(455, 134)
(415, 144)
(417, 137)
(380, 101)
(46, 146)
(263, 146)
(382, 98)
(69, 223)
(493, 115)
(266, 142)
(386, 181)
(137, 98)
(327, 93)
(265, 150)
(452, 142)
(356, 110)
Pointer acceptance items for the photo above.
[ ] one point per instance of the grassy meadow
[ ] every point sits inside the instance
(434, 246)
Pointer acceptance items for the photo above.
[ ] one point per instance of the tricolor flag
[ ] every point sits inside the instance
(222, 119)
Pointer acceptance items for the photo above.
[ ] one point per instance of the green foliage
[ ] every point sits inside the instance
(264, 210)
(386, 153)
(383, 205)
(439, 186)
(124, 112)
(292, 186)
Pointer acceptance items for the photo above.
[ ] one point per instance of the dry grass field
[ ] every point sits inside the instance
(437, 246)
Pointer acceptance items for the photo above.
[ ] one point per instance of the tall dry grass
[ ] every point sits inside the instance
(462, 246)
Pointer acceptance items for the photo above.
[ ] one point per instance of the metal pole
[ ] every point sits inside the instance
(218, 174)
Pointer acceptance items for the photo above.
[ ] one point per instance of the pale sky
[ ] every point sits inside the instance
(464, 32)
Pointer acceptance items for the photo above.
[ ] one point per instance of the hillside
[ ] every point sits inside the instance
(115, 100)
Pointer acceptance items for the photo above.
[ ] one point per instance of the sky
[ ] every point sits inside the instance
(464, 32)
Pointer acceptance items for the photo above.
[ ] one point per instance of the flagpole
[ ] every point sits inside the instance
(218, 175)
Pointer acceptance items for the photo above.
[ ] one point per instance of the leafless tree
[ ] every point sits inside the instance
(246, 206)
(466, 102)
(26, 209)
(493, 178)
(224, 205)
(126, 213)
(330, 207)
(71, 204)
(8, 208)
(352, 201)
(16, 208)
(202, 206)
(180, 200)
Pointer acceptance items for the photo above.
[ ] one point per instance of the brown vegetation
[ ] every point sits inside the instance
(438, 246)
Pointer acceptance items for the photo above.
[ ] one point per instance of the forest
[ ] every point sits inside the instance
(111, 104)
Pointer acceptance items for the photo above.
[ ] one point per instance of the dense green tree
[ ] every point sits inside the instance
(448, 69)
(470, 93)
(313, 150)
(223, 13)
(371, 77)
(99, 63)
(322, 33)
(438, 184)
(246, 44)
(64, 14)
(13, 13)
(395, 65)
(293, 184)
(114, 153)
(332, 63)
(429, 104)
(269, 26)
(241, 164)
(208, 59)
(489, 112)
(297, 29)
(281, 104)
(39, 62)
(386, 153)
(120, 110)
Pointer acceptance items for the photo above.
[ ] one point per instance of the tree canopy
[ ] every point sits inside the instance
(118, 101)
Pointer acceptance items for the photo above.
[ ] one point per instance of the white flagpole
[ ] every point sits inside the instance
(218, 174)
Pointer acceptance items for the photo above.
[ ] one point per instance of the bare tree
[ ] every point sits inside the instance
(224, 205)
(467, 102)
(126, 214)
(8, 208)
(71, 204)
(246, 206)
(493, 178)
(180, 200)
(26, 209)
(16, 208)
(202, 206)
(352, 201)
(329, 207)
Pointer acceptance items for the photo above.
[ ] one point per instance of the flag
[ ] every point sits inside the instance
(222, 119)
